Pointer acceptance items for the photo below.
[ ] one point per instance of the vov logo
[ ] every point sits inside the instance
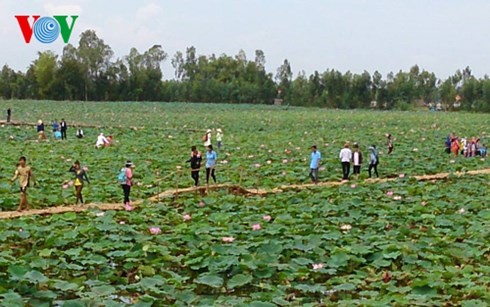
(46, 29)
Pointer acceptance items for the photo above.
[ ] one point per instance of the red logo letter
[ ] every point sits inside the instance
(25, 27)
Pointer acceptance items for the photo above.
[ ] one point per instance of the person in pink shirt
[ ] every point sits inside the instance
(125, 179)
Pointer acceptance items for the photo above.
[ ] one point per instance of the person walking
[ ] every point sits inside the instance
(24, 173)
(389, 143)
(125, 180)
(207, 138)
(314, 164)
(455, 146)
(211, 158)
(219, 138)
(80, 177)
(55, 126)
(345, 158)
(195, 161)
(373, 161)
(9, 115)
(40, 130)
(63, 129)
(357, 160)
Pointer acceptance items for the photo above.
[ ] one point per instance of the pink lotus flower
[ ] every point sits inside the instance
(326, 145)
(415, 149)
(66, 186)
(269, 151)
(155, 230)
(238, 148)
(267, 218)
(401, 176)
(228, 239)
(68, 160)
(70, 183)
(178, 167)
(298, 148)
(262, 146)
(256, 227)
(423, 203)
(397, 198)
(353, 186)
(224, 162)
(251, 156)
(269, 161)
(317, 266)
(452, 161)
(85, 168)
(389, 193)
(21, 230)
(285, 161)
(122, 222)
(322, 168)
(100, 214)
(201, 204)
(186, 217)
(461, 211)
(284, 173)
(128, 207)
(257, 164)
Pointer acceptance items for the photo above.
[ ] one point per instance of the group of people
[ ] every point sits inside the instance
(25, 176)
(211, 157)
(347, 158)
(468, 147)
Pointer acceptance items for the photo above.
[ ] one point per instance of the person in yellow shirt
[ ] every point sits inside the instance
(24, 173)
(80, 177)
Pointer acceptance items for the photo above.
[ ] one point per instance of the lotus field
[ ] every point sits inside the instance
(396, 242)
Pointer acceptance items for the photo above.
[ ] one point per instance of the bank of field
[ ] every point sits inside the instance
(395, 243)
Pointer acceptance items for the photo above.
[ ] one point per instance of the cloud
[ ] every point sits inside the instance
(63, 9)
(148, 11)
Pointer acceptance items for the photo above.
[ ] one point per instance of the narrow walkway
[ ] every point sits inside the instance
(230, 187)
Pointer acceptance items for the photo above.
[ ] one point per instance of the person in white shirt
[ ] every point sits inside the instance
(219, 137)
(357, 160)
(207, 138)
(345, 158)
(101, 141)
(80, 133)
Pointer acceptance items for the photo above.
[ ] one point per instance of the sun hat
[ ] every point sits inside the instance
(129, 163)
(209, 130)
(219, 130)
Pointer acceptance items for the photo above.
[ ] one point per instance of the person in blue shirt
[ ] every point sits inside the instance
(55, 126)
(211, 157)
(314, 163)
(373, 161)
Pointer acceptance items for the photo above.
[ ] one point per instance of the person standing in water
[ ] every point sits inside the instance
(373, 161)
(195, 161)
(211, 158)
(80, 177)
(24, 173)
(314, 164)
(219, 137)
(63, 128)
(345, 158)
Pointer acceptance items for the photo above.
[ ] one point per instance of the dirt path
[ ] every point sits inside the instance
(230, 187)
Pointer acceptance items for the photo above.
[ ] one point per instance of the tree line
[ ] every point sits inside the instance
(89, 72)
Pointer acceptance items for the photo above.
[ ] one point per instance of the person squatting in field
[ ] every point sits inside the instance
(80, 177)
(195, 161)
(211, 158)
(24, 173)
(314, 164)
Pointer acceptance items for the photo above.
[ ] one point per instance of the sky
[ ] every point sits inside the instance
(348, 35)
